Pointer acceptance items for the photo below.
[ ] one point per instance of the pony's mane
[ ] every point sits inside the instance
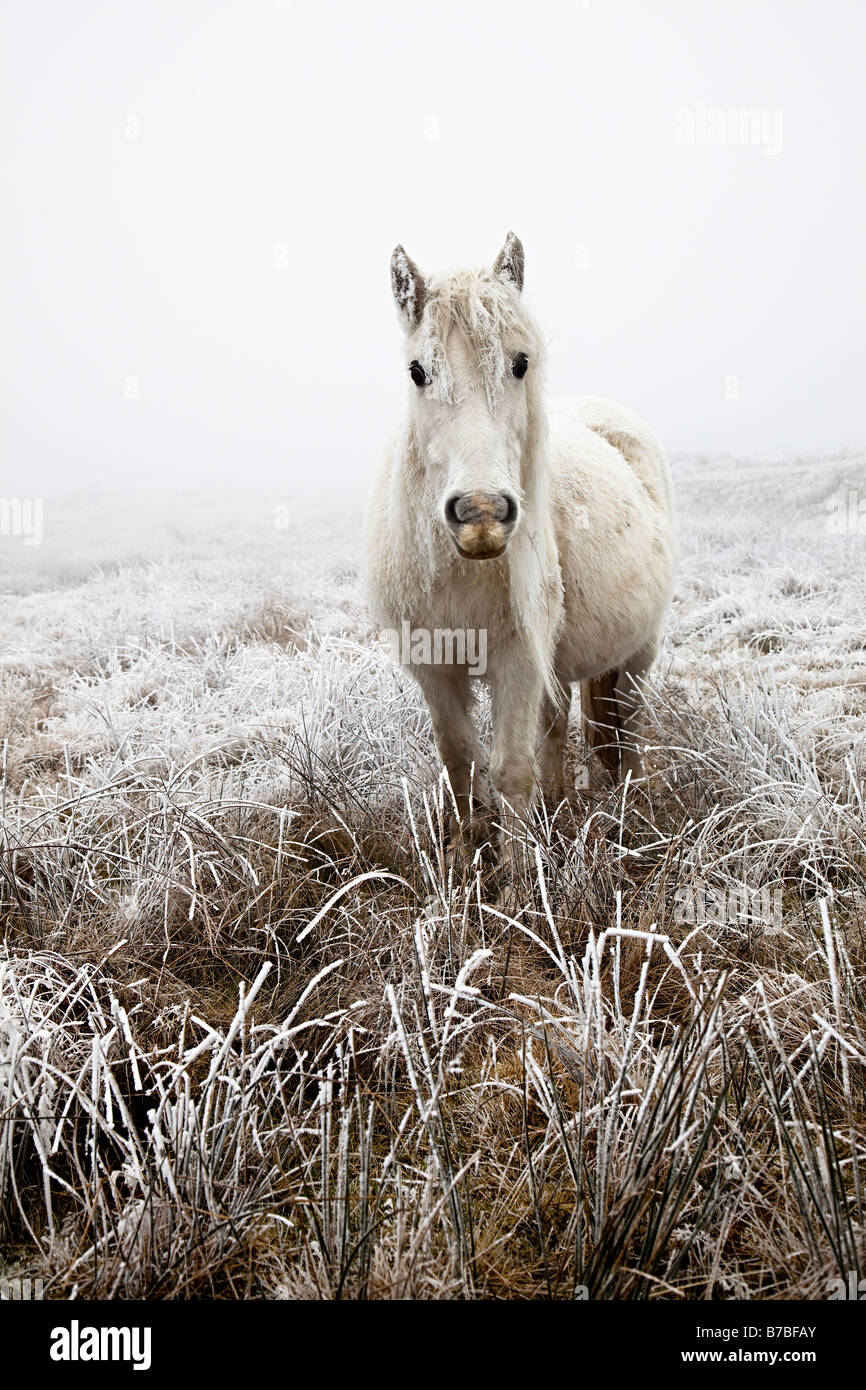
(490, 316)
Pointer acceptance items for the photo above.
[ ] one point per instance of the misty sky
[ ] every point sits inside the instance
(201, 201)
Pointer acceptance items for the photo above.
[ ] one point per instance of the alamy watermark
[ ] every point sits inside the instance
(846, 515)
(23, 517)
(737, 906)
(20, 1290)
(849, 1288)
(759, 126)
(77, 1343)
(439, 646)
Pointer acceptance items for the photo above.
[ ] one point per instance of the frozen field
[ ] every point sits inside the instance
(253, 1041)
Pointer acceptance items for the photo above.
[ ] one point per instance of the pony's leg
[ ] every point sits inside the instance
(515, 698)
(613, 706)
(600, 727)
(449, 700)
(630, 701)
(551, 752)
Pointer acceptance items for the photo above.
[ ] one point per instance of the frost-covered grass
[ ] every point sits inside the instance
(256, 1042)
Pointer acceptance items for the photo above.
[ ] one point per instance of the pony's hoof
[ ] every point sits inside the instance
(507, 900)
(467, 846)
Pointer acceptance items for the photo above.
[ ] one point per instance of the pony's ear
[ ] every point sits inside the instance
(508, 265)
(410, 289)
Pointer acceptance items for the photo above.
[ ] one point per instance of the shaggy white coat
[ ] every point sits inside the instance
(584, 582)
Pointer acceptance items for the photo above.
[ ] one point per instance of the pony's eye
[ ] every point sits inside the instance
(418, 374)
(520, 365)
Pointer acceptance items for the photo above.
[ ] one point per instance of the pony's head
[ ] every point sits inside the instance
(473, 357)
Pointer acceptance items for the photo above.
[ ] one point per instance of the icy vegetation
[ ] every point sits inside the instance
(256, 1042)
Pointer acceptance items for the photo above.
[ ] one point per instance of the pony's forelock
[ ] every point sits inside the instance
(492, 319)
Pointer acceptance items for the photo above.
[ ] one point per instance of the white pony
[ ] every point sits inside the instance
(546, 526)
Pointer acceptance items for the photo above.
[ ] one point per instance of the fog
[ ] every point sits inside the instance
(201, 200)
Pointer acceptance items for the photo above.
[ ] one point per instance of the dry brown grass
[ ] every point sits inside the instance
(256, 1042)
(253, 1050)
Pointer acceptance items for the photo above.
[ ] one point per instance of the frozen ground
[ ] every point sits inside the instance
(210, 767)
(770, 590)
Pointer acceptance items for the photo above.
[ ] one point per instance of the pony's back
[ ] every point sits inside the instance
(626, 431)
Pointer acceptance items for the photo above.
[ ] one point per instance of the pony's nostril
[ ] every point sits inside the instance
(481, 509)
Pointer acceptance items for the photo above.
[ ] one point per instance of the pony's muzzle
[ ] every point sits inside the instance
(480, 523)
